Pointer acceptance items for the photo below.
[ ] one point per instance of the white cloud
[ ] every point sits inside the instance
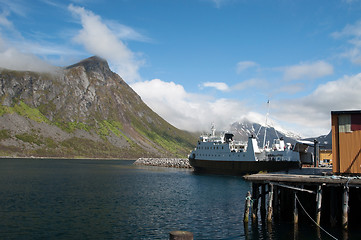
(253, 82)
(312, 113)
(14, 6)
(241, 66)
(100, 40)
(4, 21)
(11, 58)
(353, 32)
(291, 88)
(219, 3)
(221, 86)
(308, 115)
(192, 112)
(306, 71)
(18, 53)
(247, 84)
(126, 33)
(349, 30)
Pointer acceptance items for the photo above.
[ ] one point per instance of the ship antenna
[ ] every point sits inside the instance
(213, 129)
(265, 128)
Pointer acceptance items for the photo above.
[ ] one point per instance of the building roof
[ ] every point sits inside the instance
(346, 112)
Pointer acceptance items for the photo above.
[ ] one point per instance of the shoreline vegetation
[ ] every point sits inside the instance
(164, 162)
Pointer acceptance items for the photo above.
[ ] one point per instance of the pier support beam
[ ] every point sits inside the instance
(345, 208)
(255, 194)
(263, 202)
(276, 201)
(295, 209)
(295, 216)
(247, 205)
(318, 206)
(333, 207)
(270, 200)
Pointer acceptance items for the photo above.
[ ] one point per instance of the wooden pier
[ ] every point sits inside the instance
(328, 199)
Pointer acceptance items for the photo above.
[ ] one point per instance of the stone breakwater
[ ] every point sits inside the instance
(164, 162)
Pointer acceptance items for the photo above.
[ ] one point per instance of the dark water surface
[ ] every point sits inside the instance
(113, 199)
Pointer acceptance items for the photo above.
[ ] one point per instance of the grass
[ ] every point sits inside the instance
(30, 138)
(24, 110)
(116, 127)
(4, 134)
(174, 144)
(32, 113)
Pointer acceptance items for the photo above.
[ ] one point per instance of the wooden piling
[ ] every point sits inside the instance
(333, 207)
(255, 194)
(331, 192)
(247, 205)
(318, 206)
(270, 200)
(295, 216)
(295, 209)
(263, 202)
(180, 235)
(276, 201)
(345, 208)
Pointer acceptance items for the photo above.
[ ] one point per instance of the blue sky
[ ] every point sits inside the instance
(195, 62)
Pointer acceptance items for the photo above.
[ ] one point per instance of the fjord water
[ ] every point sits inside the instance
(113, 199)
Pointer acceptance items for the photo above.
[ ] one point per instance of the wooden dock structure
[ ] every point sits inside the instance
(332, 200)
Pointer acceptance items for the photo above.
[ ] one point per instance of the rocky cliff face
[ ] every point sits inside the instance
(84, 110)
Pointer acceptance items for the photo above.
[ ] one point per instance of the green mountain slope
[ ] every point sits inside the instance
(84, 110)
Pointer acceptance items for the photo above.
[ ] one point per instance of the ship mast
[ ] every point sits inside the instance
(265, 128)
(213, 129)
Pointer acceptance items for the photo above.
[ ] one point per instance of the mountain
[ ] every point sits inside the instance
(325, 141)
(83, 110)
(243, 129)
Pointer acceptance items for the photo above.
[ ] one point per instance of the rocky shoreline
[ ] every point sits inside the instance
(164, 162)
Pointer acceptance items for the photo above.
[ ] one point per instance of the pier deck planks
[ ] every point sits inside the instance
(305, 176)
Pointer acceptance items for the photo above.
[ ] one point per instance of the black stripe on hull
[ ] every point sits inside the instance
(241, 167)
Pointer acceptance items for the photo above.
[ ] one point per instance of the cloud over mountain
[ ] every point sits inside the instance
(100, 40)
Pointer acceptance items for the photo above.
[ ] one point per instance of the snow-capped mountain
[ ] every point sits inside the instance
(325, 141)
(243, 129)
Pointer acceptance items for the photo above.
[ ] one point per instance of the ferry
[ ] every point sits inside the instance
(221, 154)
